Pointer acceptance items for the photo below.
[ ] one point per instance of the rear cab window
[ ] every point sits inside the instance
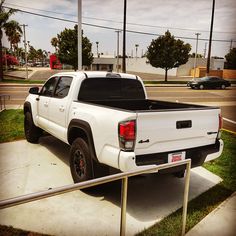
(95, 89)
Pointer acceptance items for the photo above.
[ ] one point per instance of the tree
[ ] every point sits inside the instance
(11, 60)
(13, 32)
(231, 59)
(4, 17)
(54, 43)
(166, 52)
(193, 55)
(32, 54)
(68, 48)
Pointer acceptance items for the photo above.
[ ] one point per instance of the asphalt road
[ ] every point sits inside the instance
(226, 99)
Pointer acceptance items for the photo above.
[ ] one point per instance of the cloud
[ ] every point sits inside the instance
(186, 14)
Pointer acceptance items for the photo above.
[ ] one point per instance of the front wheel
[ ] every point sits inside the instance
(201, 86)
(32, 132)
(80, 161)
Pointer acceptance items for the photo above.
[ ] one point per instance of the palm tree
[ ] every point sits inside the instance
(13, 32)
(4, 17)
(54, 42)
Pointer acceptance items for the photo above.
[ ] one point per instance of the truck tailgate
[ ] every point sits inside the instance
(164, 131)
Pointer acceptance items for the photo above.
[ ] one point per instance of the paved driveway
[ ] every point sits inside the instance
(27, 168)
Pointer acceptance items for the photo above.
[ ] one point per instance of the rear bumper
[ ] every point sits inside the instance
(128, 161)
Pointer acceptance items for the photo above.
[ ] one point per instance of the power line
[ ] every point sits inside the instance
(128, 23)
(112, 28)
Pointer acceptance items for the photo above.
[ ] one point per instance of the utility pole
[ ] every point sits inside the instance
(136, 50)
(210, 38)
(25, 45)
(118, 50)
(205, 49)
(195, 59)
(79, 34)
(124, 39)
(97, 49)
(231, 44)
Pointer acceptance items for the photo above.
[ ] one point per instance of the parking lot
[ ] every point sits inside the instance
(27, 168)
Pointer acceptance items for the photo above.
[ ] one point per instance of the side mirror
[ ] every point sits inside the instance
(34, 90)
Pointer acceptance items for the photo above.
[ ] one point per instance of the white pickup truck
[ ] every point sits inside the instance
(109, 122)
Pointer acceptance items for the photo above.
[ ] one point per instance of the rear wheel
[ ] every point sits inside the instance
(80, 161)
(223, 86)
(32, 132)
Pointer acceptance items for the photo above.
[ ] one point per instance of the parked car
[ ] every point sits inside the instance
(208, 82)
(109, 122)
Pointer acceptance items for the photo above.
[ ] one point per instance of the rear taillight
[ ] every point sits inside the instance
(220, 126)
(220, 121)
(127, 135)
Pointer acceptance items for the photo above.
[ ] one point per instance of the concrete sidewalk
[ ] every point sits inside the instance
(220, 222)
(27, 168)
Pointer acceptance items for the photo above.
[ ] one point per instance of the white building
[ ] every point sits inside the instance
(142, 65)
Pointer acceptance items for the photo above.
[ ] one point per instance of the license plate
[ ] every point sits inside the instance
(177, 156)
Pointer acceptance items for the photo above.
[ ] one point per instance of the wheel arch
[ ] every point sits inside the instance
(81, 129)
(27, 107)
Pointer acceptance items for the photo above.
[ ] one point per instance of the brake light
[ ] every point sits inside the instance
(220, 121)
(220, 126)
(127, 135)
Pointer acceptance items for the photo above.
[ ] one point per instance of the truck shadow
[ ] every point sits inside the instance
(150, 197)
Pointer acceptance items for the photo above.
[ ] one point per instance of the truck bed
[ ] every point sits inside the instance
(148, 105)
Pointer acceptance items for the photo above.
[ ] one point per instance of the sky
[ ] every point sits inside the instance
(183, 18)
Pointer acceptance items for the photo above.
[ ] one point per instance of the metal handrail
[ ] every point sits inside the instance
(3, 100)
(90, 183)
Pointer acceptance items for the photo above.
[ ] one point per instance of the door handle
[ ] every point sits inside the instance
(61, 108)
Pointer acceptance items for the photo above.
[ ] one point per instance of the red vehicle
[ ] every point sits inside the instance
(55, 63)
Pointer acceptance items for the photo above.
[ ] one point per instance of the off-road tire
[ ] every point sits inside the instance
(32, 132)
(80, 161)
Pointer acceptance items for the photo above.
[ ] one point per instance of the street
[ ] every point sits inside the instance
(226, 99)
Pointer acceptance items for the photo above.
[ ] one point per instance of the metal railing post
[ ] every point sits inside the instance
(185, 202)
(123, 205)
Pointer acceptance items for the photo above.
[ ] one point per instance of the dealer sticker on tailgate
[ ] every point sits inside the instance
(177, 156)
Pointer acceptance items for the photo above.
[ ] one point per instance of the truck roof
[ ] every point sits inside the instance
(97, 74)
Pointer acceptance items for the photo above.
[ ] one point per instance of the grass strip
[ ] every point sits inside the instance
(202, 205)
(163, 82)
(11, 125)
(10, 231)
(22, 81)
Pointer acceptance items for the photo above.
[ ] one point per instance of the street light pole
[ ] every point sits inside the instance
(210, 38)
(118, 50)
(79, 34)
(195, 59)
(136, 51)
(25, 45)
(124, 39)
(97, 49)
(205, 49)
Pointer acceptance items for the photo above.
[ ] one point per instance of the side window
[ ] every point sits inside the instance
(63, 87)
(48, 88)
